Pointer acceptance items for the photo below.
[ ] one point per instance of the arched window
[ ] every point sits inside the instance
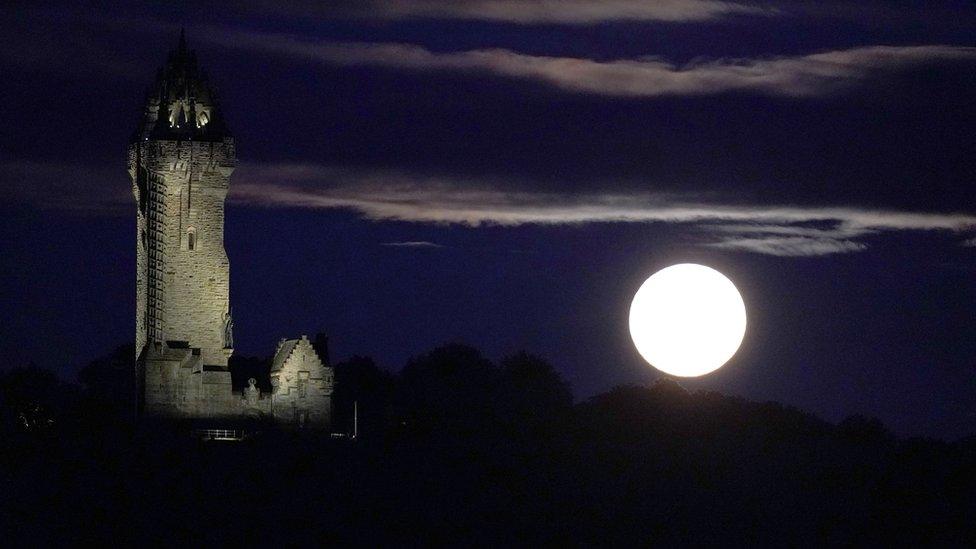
(191, 239)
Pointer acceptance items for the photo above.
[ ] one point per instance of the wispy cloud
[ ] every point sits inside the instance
(413, 244)
(791, 240)
(807, 75)
(389, 195)
(571, 12)
(790, 246)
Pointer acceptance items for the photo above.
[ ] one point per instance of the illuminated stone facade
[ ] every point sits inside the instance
(301, 385)
(180, 160)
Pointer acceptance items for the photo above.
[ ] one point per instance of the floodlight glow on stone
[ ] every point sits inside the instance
(687, 320)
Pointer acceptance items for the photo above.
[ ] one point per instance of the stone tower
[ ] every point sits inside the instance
(180, 160)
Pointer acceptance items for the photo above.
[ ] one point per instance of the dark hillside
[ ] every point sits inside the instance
(460, 450)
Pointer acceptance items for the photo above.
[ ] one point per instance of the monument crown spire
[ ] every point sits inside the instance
(182, 104)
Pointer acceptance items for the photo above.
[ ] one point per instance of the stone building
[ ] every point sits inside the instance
(180, 160)
(301, 384)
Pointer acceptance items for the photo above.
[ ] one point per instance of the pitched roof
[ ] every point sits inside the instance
(285, 349)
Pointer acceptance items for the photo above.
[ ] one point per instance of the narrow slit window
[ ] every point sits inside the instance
(191, 239)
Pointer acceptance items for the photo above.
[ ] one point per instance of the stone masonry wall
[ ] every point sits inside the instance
(191, 179)
(177, 386)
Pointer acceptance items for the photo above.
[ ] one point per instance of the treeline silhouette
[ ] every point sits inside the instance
(455, 449)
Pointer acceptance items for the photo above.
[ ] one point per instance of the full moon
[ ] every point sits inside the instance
(687, 320)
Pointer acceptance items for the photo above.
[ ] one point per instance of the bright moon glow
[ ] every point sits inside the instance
(687, 320)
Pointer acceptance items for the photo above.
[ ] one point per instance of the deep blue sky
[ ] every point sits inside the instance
(537, 184)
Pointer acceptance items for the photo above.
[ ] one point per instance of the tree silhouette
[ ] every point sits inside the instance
(33, 400)
(360, 383)
(109, 383)
(449, 388)
(530, 390)
(456, 450)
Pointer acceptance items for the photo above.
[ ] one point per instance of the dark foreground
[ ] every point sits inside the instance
(457, 450)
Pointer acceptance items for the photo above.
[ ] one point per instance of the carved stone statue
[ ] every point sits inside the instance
(228, 331)
(252, 393)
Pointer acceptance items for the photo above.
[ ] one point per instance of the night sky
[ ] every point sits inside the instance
(507, 174)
